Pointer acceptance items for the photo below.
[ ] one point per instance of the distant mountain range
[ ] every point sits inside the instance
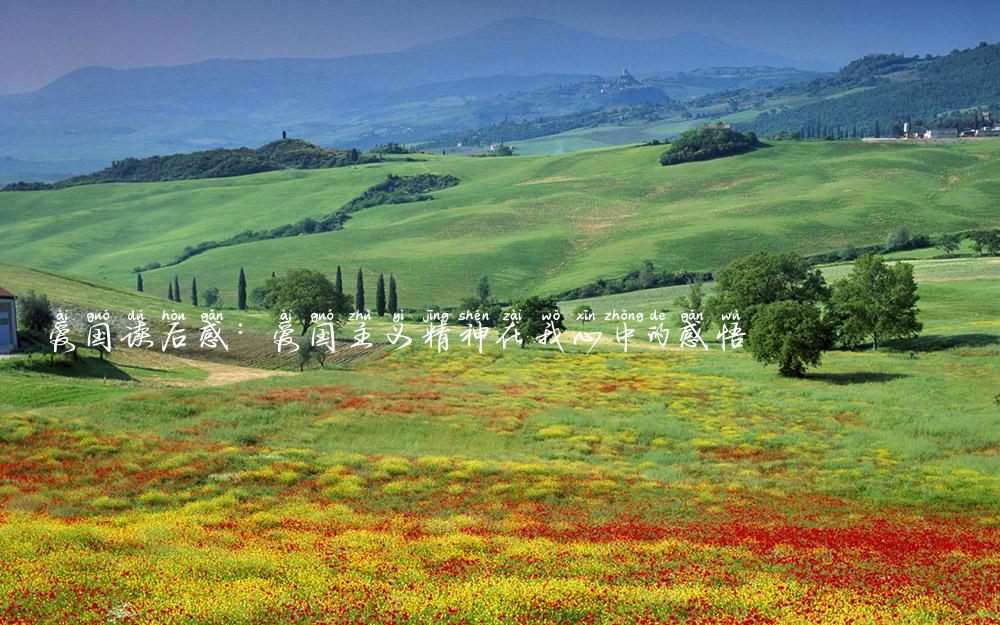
(98, 114)
(873, 95)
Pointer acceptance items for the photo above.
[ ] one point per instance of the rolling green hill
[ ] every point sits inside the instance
(283, 154)
(534, 224)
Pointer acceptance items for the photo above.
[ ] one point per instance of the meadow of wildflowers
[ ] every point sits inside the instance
(527, 487)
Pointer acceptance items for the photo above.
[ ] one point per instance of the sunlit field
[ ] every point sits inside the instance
(535, 225)
(658, 486)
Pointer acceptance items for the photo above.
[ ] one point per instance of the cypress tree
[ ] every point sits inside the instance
(241, 293)
(380, 296)
(359, 293)
(393, 304)
(194, 291)
(177, 289)
(339, 284)
(138, 283)
(170, 291)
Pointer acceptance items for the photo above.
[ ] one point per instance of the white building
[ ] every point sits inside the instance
(8, 322)
(940, 133)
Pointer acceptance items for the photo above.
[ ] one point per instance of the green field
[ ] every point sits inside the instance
(534, 224)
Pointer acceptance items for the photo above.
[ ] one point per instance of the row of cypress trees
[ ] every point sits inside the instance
(383, 303)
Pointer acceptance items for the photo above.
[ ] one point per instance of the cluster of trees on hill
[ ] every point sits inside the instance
(221, 163)
(646, 277)
(520, 129)
(389, 148)
(26, 186)
(400, 190)
(708, 143)
(394, 190)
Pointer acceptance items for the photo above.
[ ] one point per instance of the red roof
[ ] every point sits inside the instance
(4, 293)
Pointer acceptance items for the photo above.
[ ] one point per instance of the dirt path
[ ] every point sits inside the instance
(220, 374)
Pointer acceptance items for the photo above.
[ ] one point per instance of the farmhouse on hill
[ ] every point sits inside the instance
(8, 322)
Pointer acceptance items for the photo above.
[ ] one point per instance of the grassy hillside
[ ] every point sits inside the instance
(534, 224)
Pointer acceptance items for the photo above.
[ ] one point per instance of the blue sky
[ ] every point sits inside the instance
(41, 40)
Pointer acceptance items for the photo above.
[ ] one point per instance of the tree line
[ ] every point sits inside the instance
(393, 190)
(220, 163)
(386, 296)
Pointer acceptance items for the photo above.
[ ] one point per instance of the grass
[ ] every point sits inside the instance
(534, 224)
(464, 487)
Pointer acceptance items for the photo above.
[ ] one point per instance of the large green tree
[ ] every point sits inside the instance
(876, 301)
(303, 292)
(764, 278)
(790, 334)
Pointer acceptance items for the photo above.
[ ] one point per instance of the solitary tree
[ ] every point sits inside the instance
(582, 313)
(899, 239)
(359, 293)
(380, 296)
(170, 291)
(194, 291)
(393, 304)
(647, 275)
(303, 292)
(339, 284)
(790, 334)
(35, 312)
(694, 301)
(537, 315)
(138, 283)
(241, 291)
(876, 301)
(211, 297)
(483, 290)
(177, 289)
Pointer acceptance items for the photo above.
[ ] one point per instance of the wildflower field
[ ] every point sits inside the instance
(525, 486)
